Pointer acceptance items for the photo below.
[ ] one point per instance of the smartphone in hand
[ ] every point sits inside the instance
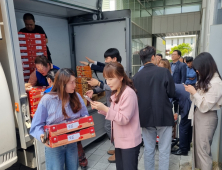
(87, 98)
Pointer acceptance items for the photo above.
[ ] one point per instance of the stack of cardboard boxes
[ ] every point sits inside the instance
(70, 132)
(84, 74)
(31, 46)
(34, 95)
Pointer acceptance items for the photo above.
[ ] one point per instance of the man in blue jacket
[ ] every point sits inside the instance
(185, 128)
(191, 73)
(179, 70)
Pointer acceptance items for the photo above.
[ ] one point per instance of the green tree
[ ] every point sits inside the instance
(185, 48)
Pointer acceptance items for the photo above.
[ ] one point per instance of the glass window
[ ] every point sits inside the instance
(178, 41)
(158, 11)
(157, 4)
(191, 8)
(191, 41)
(183, 40)
(172, 42)
(173, 10)
(191, 1)
(172, 2)
(145, 13)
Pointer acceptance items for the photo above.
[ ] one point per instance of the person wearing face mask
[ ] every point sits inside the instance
(31, 27)
(112, 55)
(123, 112)
(60, 105)
(38, 77)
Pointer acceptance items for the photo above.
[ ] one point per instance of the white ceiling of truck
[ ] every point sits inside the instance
(49, 8)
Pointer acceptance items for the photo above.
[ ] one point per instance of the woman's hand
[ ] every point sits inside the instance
(42, 139)
(99, 106)
(93, 82)
(190, 89)
(175, 115)
(89, 93)
(28, 86)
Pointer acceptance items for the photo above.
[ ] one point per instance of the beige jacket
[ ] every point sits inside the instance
(211, 100)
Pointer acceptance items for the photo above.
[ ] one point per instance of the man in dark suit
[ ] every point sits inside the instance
(155, 86)
(185, 130)
(179, 70)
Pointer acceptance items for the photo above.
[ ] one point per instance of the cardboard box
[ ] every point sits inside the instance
(84, 74)
(38, 47)
(26, 47)
(56, 141)
(83, 68)
(71, 126)
(37, 42)
(23, 42)
(26, 53)
(23, 35)
(36, 53)
(28, 65)
(36, 36)
(27, 59)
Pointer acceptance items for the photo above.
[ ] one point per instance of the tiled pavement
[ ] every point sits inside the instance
(97, 156)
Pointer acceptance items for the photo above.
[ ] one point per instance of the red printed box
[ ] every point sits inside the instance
(71, 126)
(23, 35)
(37, 42)
(34, 101)
(26, 53)
(38, 53)
(55, 141)
(25, 48)
(39, 47)
(84, 74)
(27, 72)
(27, 59)
(37, 36)
(28, 65)
(23, 42)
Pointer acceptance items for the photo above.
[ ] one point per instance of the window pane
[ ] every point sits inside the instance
(191, 1)
(173, 10)
(191, 8)
(158, 11)
(157, 4)
(173, 2)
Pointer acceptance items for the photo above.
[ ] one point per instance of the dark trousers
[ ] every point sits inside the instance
(185, 131)
(127, 159)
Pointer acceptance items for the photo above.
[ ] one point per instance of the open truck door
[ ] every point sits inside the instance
(70, 41)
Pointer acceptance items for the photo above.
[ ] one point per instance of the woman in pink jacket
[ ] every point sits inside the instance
(124, 115)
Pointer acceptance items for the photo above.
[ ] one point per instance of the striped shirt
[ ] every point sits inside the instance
(49, 112)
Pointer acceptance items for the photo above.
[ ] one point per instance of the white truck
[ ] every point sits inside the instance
(75, 29)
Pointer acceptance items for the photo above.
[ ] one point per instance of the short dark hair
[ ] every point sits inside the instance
(42, 60)
(113, 52)
(28, 16)
(51, 74)
(147, 53)
(178, 52)
(206, 67)
(189, 59)
(160, 55)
